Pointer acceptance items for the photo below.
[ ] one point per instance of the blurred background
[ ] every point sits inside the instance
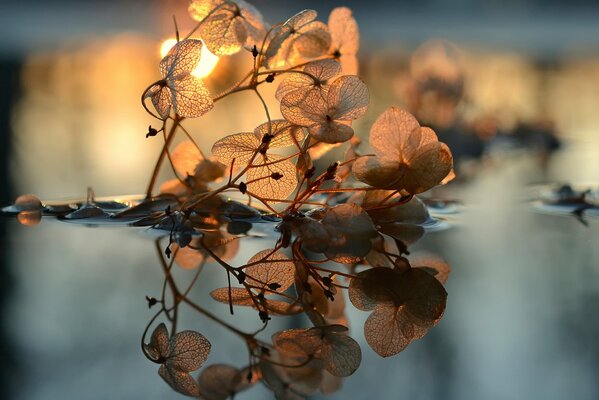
(512, 87)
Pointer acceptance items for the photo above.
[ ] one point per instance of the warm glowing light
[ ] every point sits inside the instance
(207, 62)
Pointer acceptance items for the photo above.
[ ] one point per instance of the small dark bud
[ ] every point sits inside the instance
(249, 376)
(260, 296)
(151, 301)
(167, 211)
(263, 316)
(267, 138)
(328, 117)
(401, 247)
(255, 51)
(309, 172)
(274, 286)
(329, 295)
(327, 281)
(307, 287)
(276, 176)
(243, 187)
(265, 351)
(331, 171)
(168, 251)
(337, 54)
(151, 132)
(241, 277)
(270, 78)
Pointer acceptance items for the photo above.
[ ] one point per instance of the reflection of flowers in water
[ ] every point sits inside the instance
(331, 235)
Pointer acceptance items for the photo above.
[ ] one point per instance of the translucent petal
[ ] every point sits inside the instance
(219, 381)
(190, 97)
(295, 82)
(321, 70)
(181, 59)
(378, 173)
(345, 39)
(239, 296)
(188, 350)
(186, 158)
(345, 36)
(161, 99)
(412, 212)
(432, 265)
(390, 134)
(299, 38)
(371, 288)
(341, 354)
(276, 268)
(254, 23)
(349, 97)
(240, 146)
(312, 40)
(180, 381)
(301, 18)
(159, 343)
(389, 331)
(428, 168)
(224, 32)
(261, 183)
(298, 343)
(305, 108)
(331, 132)
(418, 304)
(199, 9)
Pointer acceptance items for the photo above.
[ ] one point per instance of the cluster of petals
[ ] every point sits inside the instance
(345, 39)
(405, 303)
(408, 158)
(179, 90)
(227, 25)
(344, 233)
(326, 109)
(185, 352)
(340, 353)
(299, 38)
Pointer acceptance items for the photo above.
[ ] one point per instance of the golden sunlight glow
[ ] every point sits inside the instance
(207, 62)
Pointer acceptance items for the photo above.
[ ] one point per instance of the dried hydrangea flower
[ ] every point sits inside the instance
(222, 381)
(178, 89)
(227, 25)
(345, 39)
(408, 157)
(298, 39)
(315, 77)
(340, 353)
(405, 304)
(185, 352)
(328, 115)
